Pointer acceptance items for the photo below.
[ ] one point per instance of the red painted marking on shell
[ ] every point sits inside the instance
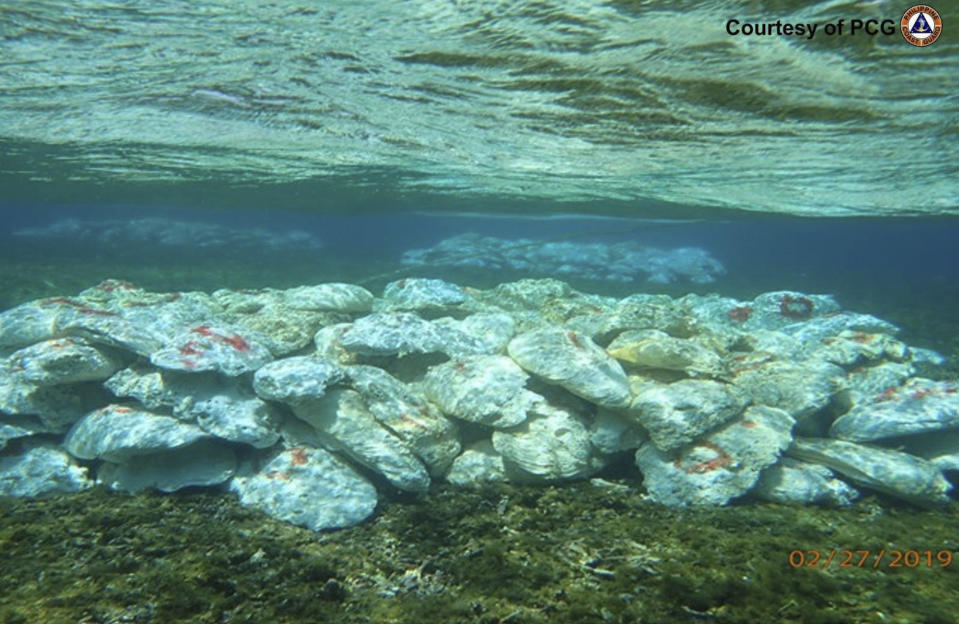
(298, 456)
(748, 423)
(189, 364)
(62, 300)
(236, 341)
(799, 308)
(81, 307)
(740, 314)
(887, 394)
(574, 339)
(122, 410)
(722, 459)
(190, 348)
(97, 312)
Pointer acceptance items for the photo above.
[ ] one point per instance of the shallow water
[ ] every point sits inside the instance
(545, 104)
(822, 166)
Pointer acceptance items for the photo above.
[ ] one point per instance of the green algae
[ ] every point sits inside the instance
(574, 553)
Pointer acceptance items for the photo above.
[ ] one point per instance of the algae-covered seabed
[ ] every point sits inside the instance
(577, 553)
(572, 553)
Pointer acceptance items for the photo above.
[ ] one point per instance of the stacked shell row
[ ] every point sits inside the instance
(306, 402)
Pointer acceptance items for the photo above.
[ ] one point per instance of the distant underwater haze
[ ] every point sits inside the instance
(624, 106)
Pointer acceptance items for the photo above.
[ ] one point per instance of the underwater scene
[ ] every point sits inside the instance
(483, 312)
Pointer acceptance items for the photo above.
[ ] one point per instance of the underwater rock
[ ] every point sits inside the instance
(213, 347)
(573, 361)
(418, 294)
(40, 468)
(898, 474)
(656, 349)
(118, 432)
(678, 413)
(296, 378)
(723, 465)
(343, 421)
(795, 482)
(920, 406)
(485, 389)
(550, 445)
(201, 463)
(477, 465)
(63, 361)
(308, 487)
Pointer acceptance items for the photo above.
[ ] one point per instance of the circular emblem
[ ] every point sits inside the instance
(921, 25)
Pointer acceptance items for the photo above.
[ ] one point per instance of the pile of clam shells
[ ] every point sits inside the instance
(312, 402)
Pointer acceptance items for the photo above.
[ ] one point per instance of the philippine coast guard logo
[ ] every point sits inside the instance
(921, 25)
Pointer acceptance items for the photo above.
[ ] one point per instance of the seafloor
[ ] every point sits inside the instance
(582, 552)
(577, 553)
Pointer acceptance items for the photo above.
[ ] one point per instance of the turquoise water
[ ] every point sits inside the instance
(609, 106)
